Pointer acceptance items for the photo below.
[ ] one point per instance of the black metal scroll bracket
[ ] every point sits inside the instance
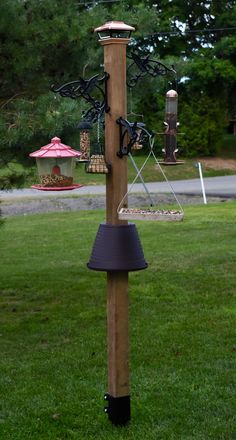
(83, 88)
(146, 66)
(129, 134)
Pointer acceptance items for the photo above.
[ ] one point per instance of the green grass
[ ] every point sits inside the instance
(229, 146)
(182, 329)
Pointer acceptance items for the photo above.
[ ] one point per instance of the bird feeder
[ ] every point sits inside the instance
(171, 124)
(84, 128)
(97, 163)
(171, 104)
(138, 144)
(55, 163)
(142, 213)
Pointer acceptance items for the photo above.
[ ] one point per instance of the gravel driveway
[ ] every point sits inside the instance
(25, 206)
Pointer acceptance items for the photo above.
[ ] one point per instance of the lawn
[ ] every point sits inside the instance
(182, 329)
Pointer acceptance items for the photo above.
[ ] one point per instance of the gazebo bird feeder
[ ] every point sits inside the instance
(56, 163)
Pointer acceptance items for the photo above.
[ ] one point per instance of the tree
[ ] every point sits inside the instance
(44, 46)
(52, 41)
(202, 35)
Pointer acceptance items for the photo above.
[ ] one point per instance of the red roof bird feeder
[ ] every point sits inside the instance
(56, 163)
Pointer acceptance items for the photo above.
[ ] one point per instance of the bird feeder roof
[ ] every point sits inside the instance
(84, 125)
(114, 26)
(171, 94)
(55, 149)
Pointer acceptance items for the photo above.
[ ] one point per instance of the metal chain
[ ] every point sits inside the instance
(98, 129)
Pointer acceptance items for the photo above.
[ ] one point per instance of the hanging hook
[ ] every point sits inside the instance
(129, 130)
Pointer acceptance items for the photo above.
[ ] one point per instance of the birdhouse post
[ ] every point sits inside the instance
(123, 242)
(117, 248)
(116, 187)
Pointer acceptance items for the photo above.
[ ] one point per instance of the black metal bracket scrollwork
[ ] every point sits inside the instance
(145, 66)
(83, 88)
(130, 132)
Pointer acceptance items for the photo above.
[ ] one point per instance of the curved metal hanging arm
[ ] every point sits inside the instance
(146, 66)
(83, 88)
(129, 135)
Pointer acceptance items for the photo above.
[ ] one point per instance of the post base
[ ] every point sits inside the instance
(118, 409)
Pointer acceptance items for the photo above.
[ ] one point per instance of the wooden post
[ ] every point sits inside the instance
(116, 188)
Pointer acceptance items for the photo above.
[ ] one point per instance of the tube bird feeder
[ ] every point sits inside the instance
(170, 134)
(138, 145)
(56, 163)
(84, 128)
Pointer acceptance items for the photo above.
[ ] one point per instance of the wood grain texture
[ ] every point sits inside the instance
(116, 181)
(118, 340)
(116, 188)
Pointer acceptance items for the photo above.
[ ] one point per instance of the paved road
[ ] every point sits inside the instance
(223, 186)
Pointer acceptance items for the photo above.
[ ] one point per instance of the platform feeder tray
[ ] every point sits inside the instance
(150, 214)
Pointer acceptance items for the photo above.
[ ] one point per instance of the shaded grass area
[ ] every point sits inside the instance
(182, 329)
(228, 149)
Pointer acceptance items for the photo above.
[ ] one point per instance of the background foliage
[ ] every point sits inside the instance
(52, 41)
